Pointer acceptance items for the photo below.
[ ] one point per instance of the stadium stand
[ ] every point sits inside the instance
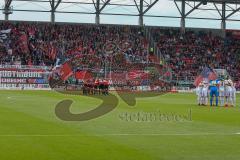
(41, 43)
(189, 53)
(45, 44)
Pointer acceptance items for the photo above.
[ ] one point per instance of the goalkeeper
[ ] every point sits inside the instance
(213, 92)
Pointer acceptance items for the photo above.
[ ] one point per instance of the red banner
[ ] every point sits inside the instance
(137, 74)
(65, 71)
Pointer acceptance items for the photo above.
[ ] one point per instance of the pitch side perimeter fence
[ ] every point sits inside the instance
(37, 77)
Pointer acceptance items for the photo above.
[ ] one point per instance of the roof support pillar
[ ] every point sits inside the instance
(99, 9)
(97, 16)
(140, 18)
(183, 16)
(53, 9)
(6, 15)
(7, 9)
(223, 22)
(52, 18)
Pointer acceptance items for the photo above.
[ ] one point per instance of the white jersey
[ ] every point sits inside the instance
(205, 91)
(228, 91)
(221, 91)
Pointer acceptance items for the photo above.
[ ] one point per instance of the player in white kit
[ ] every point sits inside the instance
(228, 93)
(199, 93)
(221, 93)
(205, 94)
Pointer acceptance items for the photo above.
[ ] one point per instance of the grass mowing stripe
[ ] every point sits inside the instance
(116, 134)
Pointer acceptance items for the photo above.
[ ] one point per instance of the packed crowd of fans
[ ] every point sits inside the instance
(189, 53)
(43, 44)
(118, 47)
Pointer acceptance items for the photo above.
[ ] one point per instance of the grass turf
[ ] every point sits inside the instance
(30, 130)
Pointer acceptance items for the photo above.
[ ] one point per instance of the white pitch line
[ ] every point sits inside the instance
(177, 134)
(121, 134)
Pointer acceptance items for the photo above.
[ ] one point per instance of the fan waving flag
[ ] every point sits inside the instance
(65, 71)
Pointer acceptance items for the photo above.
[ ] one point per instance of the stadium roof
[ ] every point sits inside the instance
(225, 9)
(215, 1)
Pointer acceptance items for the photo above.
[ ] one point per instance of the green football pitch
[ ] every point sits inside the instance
(30, 130)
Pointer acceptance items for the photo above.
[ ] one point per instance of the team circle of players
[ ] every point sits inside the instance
(222, 91)
(98, 86)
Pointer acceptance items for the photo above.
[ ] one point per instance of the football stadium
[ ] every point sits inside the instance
(119, 79)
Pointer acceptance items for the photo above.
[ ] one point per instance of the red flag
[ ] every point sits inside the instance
(80, 74)
(65, 71)
(84, 75)
(198, 80)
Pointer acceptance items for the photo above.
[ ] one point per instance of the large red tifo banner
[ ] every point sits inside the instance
(23, 77)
